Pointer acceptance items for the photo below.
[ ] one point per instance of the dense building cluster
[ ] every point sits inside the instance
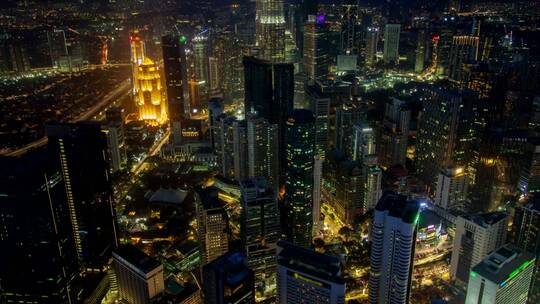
(270, 151)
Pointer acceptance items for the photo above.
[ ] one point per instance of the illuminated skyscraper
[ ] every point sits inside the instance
(299, 176)
(504, 276)
(263, 149)
(149, 93)
(269, 92)
(200, 64)
(393, 238)
(476, 236)
(446, 133)
(176, 82)
(319, 104)
(270, 29)
(260, 230)
(316, 59)
(212, 224)
(80, 150)
(372, 38)
(391, 43)
(231, 147)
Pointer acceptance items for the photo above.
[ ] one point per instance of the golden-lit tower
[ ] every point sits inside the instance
(148, 92)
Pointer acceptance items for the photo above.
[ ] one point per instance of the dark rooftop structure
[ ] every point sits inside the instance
(399, 206)
(137, 258)
(305, 260)
(209, 197)
(301, 116)
(228, 279)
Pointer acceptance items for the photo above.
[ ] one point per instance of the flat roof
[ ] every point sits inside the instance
(399, 206)
(503, 265)
(486, 219)
(310, 262)
(137, 258)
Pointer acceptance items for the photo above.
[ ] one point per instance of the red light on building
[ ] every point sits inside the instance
(435, 38)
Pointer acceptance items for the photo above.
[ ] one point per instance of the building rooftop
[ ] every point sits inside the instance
(503, 264)
(209, 197)
(399, 206)
(137, 258)
(486, 219)
(305, 260)
(233, 266)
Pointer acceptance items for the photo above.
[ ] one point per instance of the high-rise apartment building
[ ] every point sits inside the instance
(212, 224)
(80, 151)
(394, 134)
(452, 189)
(228, 279)
(316, 58)
(526, 235)
(299, 182)
(393, 238)
(391, 43)
(260, 230)
(476, 236)
(139, 276)
(306, 276)
(504, 276)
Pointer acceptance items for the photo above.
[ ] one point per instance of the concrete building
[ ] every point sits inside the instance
(503, 277)
(306, 276)
(393, 238)
(139, 277)
(476, 236)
